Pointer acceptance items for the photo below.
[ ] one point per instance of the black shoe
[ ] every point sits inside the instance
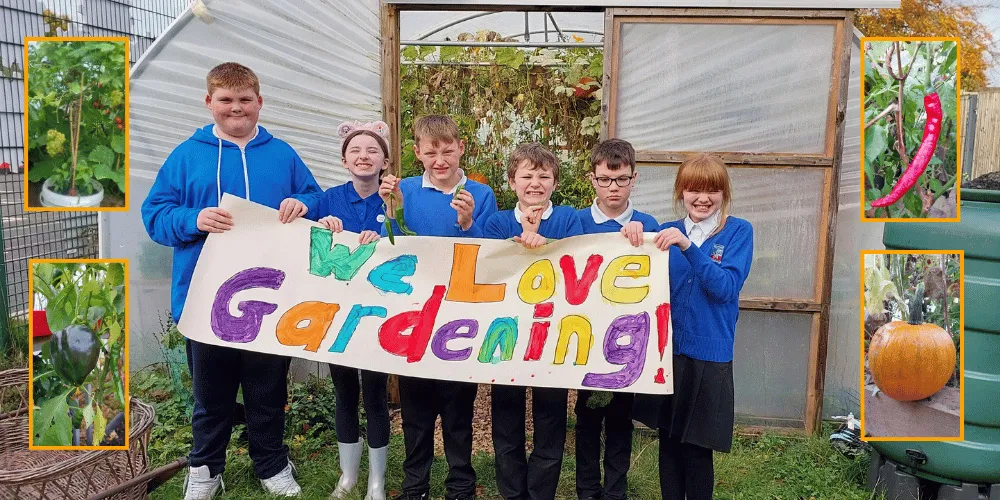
(410, 496)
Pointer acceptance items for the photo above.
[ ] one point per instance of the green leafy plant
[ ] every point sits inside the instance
(898, 120)
(504, 96)
(76, 115)
(78, 378)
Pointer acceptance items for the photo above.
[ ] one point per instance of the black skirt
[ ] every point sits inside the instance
(700, 411)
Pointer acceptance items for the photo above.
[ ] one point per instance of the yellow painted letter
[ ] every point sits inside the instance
(543, 271)
(579, 326)
(617, 269)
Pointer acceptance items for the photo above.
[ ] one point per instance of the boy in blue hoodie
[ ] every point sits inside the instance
(533, 173)
(441, 202)
(612, 173)
(236, 156)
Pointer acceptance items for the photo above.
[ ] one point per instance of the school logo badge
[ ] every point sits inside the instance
(380, 218)
(717, 253)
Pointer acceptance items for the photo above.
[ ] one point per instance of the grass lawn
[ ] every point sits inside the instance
(770, 465)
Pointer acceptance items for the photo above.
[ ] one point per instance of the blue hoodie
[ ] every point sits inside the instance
(194, 177)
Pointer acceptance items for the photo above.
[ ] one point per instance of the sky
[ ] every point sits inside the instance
(990, 17)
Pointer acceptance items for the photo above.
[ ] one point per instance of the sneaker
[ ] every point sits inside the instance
(847, 438)
(282, 483)
(199, 485)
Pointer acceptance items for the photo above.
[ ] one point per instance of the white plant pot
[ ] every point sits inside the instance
(50, 198)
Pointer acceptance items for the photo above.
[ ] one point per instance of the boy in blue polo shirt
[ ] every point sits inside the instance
(533, 173)
(612, 173)
(431, 207)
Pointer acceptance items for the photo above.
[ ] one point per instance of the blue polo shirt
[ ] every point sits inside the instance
(558, 222)
(344, 202)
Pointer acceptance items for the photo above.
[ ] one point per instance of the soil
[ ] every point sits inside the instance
(482, 436)
(988, 181)
(35, 189)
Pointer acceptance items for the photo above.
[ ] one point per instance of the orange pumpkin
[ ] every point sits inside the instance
(911, 360)
(478, 177)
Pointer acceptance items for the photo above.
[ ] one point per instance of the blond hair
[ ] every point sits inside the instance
(538, 156)
(233, 76)
(435, 128)
(703, 172)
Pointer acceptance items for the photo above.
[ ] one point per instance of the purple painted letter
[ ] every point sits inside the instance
(633, 355)
(244, 328)
(451, 330)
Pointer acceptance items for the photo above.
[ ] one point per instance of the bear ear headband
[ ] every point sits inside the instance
(379, 127)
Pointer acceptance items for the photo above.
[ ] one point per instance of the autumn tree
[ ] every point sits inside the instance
(939, 18)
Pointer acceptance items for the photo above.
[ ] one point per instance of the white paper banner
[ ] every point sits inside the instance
(588, 312)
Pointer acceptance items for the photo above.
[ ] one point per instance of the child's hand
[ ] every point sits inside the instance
(464, 204)
(367, 237)
(633, 232)
(390, 185)
(291, 209)
(532, 218)
(530, 240)
(671, 236)
(332, 223)
(214, 220)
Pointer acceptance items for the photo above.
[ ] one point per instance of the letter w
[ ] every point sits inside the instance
(326, 258)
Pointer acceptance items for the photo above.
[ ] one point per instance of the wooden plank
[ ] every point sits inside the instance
(389, 20)
(390, 81)
(611, 96)
(610, 52)
(817, 360)
(739, 158)
(779, 305)
(744, 13)
(757, 21)
(940, 416)
(986, 150)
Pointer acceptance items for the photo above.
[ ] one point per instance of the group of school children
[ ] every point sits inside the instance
(710, 259)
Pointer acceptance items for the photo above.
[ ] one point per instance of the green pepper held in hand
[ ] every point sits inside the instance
(932, 130)
(401, 222)
(73, 352)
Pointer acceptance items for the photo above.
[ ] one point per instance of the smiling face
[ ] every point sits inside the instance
(534, 185)
(611, 196)
(701, 205)
(364, 157)
(235, 111)
(441, 160)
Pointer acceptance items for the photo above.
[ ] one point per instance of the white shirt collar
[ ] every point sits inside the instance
(256, 130)
(601, 218)
(428, 184)
(707, 226)
(545, 215)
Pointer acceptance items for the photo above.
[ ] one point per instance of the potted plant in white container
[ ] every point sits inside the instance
(76, 125)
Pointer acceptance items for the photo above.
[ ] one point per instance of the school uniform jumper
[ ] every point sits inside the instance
(428, 212)
(537, 476)
(705, 284)
(357, 214)
(194, 176)
(616, 416)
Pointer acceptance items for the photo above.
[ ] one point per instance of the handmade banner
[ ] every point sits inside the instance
(588, 312)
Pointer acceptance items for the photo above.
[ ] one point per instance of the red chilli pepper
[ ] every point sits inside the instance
(932, 130)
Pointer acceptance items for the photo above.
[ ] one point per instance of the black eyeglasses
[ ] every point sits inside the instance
(621, 181)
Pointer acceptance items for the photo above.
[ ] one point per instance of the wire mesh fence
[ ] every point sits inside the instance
(51, 234)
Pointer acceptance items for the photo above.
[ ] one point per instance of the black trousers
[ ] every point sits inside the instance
(421, 401)
(348, 389)
(217, 373)
(686, 471)
(535, 477)
(617, 419)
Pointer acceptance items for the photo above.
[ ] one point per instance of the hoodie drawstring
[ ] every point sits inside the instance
(218, 174)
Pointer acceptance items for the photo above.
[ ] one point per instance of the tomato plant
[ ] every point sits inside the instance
(78, 378)
(76, 115)
(503, 96)
(910, 134)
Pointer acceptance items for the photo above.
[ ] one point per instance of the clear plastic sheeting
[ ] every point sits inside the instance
(843, 363)
(769, 367)
(724, 87)
(783, 205)
(318, 62)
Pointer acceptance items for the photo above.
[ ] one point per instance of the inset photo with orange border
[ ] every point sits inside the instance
(912, 346)
(911, 146)
(78, 389)
(76, 123)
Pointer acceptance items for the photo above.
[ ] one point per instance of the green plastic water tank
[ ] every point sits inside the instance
(977, 458)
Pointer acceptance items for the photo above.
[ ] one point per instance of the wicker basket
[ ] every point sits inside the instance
(43, 475)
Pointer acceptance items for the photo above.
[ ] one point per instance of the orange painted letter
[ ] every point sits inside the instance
(463, 286)
(318, 314)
